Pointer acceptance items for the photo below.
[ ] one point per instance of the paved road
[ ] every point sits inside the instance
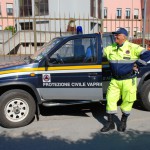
(77, 128)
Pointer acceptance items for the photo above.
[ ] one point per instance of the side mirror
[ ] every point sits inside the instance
(47, 63)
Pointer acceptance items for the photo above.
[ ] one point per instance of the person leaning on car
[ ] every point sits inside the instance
(124, 57)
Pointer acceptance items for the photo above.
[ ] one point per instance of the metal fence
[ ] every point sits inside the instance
(25, 35)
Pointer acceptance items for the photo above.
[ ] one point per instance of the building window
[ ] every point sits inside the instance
(26, 26)
(119, 13)
(25, 8)
(9, 9)
(41, 7)
(127, 13)
(93, 8)
(136, 13)
(99, 27)
(93, 24)
(99, 9)
(105, 12)
(1, 27)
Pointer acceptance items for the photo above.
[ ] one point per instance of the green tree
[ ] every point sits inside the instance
(11, 28)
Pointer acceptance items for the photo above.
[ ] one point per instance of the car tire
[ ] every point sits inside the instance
(145, 95)
(17, 108)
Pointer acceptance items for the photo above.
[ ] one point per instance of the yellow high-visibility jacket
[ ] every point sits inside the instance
(122, 58)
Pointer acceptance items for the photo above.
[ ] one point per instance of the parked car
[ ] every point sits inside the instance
(67, 70)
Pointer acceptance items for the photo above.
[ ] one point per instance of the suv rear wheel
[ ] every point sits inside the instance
(145, 95)
(17, 108)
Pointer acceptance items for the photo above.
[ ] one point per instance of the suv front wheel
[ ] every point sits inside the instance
(17, 108)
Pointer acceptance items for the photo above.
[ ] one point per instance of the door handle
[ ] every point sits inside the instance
(93, 74)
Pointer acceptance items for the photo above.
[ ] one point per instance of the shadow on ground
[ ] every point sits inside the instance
(111, 141)
(98, 111)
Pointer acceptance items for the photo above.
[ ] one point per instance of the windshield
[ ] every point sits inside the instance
(45, 49)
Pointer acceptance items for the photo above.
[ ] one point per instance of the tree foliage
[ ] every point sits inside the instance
(11, 28)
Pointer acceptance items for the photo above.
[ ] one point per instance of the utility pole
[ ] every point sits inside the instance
(144, 23)
(102, 15)
(34, 26)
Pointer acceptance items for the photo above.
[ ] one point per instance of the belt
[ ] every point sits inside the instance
(123, 77)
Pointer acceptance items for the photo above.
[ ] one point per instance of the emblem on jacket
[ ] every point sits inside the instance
(127, 52)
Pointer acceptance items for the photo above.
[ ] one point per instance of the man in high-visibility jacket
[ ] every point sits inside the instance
(124, 57)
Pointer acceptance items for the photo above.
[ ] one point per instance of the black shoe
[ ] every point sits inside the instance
(110, 124)
(122, 127)
(123, 124)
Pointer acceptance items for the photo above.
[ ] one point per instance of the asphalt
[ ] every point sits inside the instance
(78, 128)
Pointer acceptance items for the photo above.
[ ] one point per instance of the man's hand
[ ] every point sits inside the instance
(135, 69)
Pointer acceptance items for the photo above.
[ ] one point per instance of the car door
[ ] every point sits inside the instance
(74, 72)
(107, 39)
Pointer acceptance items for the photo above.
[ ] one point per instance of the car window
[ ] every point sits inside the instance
(107, 40)
(45, 49)
(81, 50)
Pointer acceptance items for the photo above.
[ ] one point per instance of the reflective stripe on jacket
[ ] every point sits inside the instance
(122, 58)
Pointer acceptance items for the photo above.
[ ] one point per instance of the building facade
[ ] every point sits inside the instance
(115, 14)
(6, 11)
(49, 12)
(127, 14)
(38, 21)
